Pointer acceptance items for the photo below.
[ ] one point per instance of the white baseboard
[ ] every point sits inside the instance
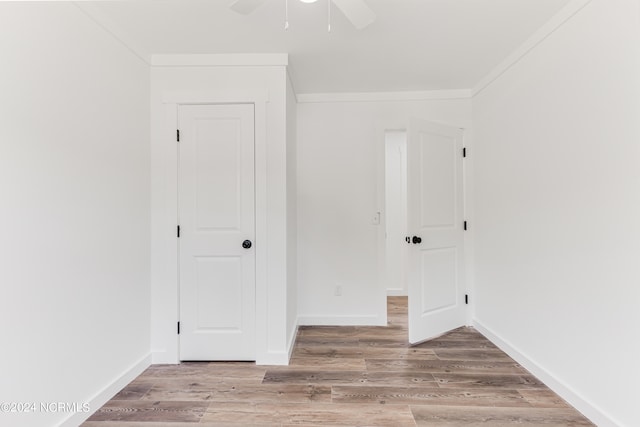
(292, 341)
(575, 399)
(280, 358)
(104, 395)
(341, 321)
(161, 357)
(277, 358)
(396, 292)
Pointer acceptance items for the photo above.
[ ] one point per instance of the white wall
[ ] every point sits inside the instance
(557, 179)
(340, 187)
(74, 191)
(220, 84)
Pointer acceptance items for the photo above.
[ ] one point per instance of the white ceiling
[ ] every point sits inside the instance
(413, 45)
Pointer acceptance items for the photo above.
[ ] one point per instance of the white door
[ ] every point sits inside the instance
(217, 228)
(436, 225)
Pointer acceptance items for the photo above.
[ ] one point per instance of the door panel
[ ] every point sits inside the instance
(435, 218)
(438, 181)
(218, 297)
(216, 214)
(438, 269)
(218, 187)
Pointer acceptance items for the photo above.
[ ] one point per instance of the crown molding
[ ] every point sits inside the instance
(557, 21)
(384, 96)
(221, 60)
(93, 12)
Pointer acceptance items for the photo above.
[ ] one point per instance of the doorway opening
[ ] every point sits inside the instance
(396, 211)
(424, 244)
(395, 179)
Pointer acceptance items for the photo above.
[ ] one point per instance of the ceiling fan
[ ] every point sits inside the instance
(356, 11)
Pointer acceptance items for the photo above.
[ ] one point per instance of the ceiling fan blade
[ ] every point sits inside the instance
(357, 12)
(245, 7)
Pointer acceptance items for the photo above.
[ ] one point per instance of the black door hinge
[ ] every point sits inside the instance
(466, 299)
(465, 226)
(178, 135)
(178, 231)
(178, 328)
(464, 152)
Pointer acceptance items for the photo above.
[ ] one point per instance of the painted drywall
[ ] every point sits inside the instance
(340, 189)
(557, 236)
(208, 84)
(395, 202)
(74, 186)
(292, 215)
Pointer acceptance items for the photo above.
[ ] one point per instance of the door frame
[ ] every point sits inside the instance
(468, 194)
(259, 98)
(384, 204)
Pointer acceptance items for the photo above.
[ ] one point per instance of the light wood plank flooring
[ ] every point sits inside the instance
(347, 376)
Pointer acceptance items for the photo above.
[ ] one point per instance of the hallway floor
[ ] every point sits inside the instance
(347, 376)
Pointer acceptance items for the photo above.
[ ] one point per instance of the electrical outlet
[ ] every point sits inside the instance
(338, 291)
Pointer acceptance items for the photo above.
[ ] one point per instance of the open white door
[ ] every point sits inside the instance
(217, 227)
(436, 225)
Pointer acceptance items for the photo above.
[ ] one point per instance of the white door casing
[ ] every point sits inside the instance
(436, 225)
(216, 212)
(395, 196)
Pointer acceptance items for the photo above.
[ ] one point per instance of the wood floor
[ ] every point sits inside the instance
(347, 376)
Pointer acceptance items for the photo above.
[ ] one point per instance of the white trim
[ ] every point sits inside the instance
(341, 321)
(94, 13)
(170, 148)
(274, 358)
(292, 341)
(384, 96)
(259, 98)
(468, 213)
(557, 21)
(104, 395)
(396, 292)
(231, 96)
(288, 70)
(381, 240)
(262, 271)
(162, 357)
(575, 399)
(221, 60)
